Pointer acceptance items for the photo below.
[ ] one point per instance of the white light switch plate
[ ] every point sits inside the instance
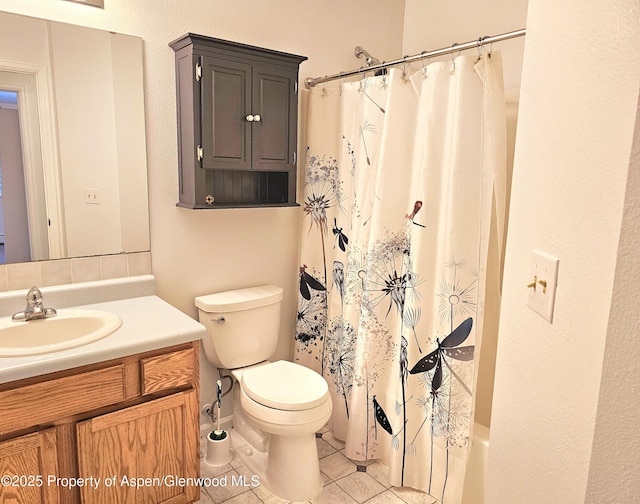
(92, 196)
(543, 268)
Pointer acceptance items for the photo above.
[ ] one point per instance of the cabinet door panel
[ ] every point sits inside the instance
(155, 441)
(24, 459)
(226, 101)
(274, 100)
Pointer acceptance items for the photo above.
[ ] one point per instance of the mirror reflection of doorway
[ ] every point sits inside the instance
(22, 182)
(14, 225)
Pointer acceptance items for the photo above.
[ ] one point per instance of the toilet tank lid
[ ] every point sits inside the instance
(239, 299)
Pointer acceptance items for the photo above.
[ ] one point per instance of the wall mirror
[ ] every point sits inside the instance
(72, 141)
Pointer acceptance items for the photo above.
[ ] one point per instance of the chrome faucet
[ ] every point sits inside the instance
(35, 309)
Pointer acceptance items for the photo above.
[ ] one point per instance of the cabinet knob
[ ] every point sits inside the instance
(256, 118)
(250, 118)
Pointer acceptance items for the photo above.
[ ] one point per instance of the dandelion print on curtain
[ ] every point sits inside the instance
(403, 176)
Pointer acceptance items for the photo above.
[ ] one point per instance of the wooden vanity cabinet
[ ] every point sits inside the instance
(131, 422)
(237, 109)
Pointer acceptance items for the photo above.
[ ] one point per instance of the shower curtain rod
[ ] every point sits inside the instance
(309, 82)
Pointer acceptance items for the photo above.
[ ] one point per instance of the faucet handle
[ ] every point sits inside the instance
(34, 296)
(35, 309)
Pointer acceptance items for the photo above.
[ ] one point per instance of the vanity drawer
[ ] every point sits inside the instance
(168, 371)
(47, 401)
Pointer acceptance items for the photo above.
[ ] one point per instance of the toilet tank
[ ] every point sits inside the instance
(243, 325)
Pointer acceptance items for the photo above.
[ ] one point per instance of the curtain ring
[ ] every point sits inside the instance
(404, 77)
(324, 91)
(425, 73)
(480, 48)
(361, 85)
(453, 58)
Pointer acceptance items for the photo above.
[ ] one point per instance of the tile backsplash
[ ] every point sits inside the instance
(76, 270)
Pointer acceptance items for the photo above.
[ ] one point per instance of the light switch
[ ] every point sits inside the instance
(543, 281)
(92, 196)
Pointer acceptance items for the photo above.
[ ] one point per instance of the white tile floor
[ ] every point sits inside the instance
(343, 483)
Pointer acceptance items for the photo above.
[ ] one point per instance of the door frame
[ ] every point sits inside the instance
(50, 157)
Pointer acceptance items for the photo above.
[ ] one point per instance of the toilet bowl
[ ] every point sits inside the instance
(290, 403)
(278, 406)
(284, 398)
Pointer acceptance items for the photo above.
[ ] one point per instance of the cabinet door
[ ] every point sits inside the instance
(140, 452)
(275, 135)
(226, 103)
(27, 462)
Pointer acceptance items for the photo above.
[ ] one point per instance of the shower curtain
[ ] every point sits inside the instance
(404, 174)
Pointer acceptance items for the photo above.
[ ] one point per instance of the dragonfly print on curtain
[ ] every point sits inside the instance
(392, 262)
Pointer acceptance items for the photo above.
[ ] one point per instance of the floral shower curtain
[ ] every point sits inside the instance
(403, 176)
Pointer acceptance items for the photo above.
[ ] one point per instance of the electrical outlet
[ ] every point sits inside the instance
(92, 196)
(543, 282)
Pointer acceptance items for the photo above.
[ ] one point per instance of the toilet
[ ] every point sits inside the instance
(277, 406)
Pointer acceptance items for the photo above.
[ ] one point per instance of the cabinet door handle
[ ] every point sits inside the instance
(249, 118)
(256, 118)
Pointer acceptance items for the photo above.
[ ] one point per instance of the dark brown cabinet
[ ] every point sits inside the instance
(237, 109)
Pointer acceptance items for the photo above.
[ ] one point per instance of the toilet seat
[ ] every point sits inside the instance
(286, 386)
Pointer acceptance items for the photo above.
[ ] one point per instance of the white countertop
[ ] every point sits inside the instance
(148, 323)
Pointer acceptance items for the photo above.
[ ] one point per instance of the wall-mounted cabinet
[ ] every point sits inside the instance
(237, 108)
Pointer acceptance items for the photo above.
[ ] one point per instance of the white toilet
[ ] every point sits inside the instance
(278, 406)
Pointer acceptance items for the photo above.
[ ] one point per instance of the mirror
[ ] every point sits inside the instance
(72, 141)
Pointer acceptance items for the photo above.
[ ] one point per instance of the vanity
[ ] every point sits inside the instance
(115, 420)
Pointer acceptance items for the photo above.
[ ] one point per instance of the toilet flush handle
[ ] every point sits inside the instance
(220, 320)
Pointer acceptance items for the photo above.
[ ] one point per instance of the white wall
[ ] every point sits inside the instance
(197, 252)
(554, 433)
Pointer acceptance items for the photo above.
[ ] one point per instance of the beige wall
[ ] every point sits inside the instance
(614, 455)
(440, 23)
(563, 407)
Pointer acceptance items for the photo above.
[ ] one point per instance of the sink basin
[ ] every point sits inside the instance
(70, 328)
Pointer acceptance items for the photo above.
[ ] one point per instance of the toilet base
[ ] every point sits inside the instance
(294, 478)
(282, 475)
